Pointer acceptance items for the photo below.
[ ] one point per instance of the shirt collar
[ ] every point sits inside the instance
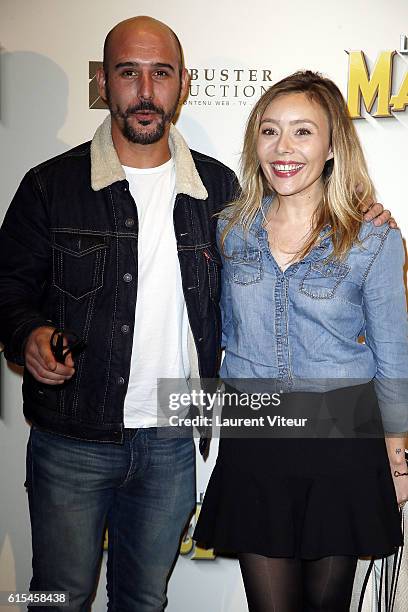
(107, 169)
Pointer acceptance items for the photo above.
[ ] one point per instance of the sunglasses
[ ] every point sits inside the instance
(64, 342)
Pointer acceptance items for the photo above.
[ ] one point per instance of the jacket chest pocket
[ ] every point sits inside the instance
(78, 263)
(322, 279)
(246, 266)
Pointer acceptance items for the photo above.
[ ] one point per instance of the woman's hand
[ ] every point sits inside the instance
(399, 467)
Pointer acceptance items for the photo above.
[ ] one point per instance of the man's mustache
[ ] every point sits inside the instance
(144, 106)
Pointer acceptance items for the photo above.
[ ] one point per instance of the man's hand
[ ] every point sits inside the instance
(40, 361)
(376, 213)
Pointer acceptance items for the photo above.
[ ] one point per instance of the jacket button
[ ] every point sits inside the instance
(129, 222)
(125, 329)
(121, 380)
(127, 277)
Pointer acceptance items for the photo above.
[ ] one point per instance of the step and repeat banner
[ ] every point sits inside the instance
(49, 52)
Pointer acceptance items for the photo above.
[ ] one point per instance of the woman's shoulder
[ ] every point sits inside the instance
(373, 236)
(381, 243)
(238, 228)
(238, 237)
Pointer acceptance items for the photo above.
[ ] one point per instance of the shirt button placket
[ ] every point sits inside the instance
(280, 327)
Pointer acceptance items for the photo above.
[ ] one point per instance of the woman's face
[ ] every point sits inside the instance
(294, 144)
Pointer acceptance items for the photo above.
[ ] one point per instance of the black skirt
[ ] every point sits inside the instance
(302, 497)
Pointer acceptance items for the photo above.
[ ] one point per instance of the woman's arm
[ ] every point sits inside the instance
(386, 328)
(387, 336)
(225, 300)
(398, 465)
(225, 305)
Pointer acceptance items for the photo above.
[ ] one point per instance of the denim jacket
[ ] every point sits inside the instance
(68, 257)
(301, 327)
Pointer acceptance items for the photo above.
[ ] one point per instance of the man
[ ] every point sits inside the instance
(115, 242)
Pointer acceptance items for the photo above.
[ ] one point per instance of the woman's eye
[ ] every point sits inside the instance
(269, 132)
(303, 132)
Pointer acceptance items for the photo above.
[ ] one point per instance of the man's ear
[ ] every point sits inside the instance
(101, 80)
(185, 85)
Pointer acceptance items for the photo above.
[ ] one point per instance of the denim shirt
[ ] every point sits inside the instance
(301, 327)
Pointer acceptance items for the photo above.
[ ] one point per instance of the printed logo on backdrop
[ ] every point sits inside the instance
(369, 91)
(215, 87)
(374, 89)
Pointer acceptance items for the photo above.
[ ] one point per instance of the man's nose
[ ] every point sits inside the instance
(146, 87)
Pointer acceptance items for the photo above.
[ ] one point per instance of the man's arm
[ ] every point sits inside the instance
(25, 261)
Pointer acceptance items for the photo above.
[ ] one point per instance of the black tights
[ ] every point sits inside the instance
(296, 585)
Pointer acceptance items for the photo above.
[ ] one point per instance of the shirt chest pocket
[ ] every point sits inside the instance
(323, 278)
(78, 263)
(246, 266)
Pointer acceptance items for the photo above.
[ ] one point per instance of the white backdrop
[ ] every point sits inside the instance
(45, 49)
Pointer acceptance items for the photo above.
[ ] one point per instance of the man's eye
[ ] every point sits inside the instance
(129, 73)
(303, 132)
(161, 73)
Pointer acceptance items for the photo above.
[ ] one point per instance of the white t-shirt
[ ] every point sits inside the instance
(161, 322)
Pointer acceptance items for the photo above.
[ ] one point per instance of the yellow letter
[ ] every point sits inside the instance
(202, 553)
(378, 85)
(400, 101)
(188, 545)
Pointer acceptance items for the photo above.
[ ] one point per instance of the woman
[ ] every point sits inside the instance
(303, 278)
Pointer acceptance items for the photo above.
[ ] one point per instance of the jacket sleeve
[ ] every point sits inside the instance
(386, 330)
(25, 260)
(229, 191)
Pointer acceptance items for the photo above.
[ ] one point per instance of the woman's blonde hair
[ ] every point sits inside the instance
(347, 185)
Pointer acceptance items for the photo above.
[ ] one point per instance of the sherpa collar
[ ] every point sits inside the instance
(107, 169)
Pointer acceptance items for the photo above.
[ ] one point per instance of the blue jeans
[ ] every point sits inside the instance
(143, 490)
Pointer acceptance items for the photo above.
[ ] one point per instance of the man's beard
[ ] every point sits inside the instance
(133, 134)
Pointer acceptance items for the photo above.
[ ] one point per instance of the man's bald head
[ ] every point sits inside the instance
(143, 81)
(136, 26)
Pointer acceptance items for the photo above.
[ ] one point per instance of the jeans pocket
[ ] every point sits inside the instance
(322, 279)
(246, 266)
(78, 262)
